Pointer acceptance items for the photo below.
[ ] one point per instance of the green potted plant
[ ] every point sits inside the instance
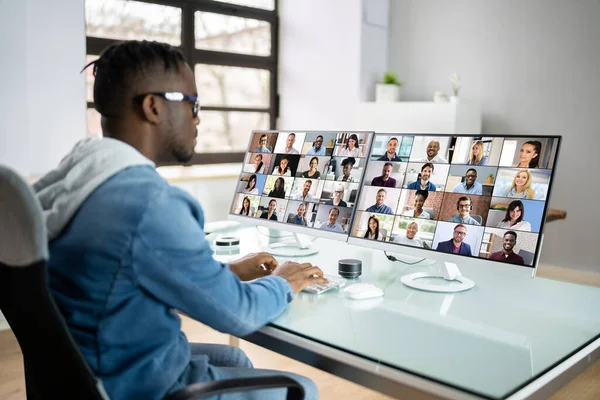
(389, 89)
(489, 180)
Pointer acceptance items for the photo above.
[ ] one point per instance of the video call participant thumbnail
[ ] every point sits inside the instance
(347, 164)
(385, 179)
(317, 148)
(300, 217)
(283, 169)
(372, 231)
(350, 148)
(410, 238)
(331, 224)
(390, 154)
(423, 182)
(433, 148)
(312, 172)
(529, 155)
(270, 213)
(262, 145)
(456, 244)
(470, 184)
(514, 217)
(305, 194)
(338, 194)
(476, 155)
(464, 205)
(278, 189)
(507, 254)
(418, 211)
(521, 186)
(379, 207)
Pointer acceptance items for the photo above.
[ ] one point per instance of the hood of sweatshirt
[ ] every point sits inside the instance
(91, 162)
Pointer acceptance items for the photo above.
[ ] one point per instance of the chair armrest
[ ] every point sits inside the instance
(200, 390)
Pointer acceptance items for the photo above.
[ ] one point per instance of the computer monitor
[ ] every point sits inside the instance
(453, 196)
(302, 181)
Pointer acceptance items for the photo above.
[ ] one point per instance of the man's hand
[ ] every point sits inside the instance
(249, 267)
(300, 276)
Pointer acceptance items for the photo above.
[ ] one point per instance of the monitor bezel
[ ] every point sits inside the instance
(441, 256)
(305, 230)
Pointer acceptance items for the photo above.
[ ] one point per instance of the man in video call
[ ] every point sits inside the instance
(338, 194)
(317, 148)
(470, 184)
(379, 207)
(299, 218)
(289, 144)
(464, 206)
(456, 245)
(347, 164)
(424, 183)
(127, 249)
(507, 254)
(433, 149)
(390, 154)
(410, 238)
(262, 145)
(385, 179)
(332, 224)
(304, 195)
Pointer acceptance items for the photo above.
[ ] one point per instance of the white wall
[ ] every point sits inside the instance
(42, 106)
(533, 65)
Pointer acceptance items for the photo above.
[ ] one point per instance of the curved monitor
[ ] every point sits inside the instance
(454, 196)
(302, 181)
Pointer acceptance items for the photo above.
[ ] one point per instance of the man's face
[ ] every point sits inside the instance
(392, 147)
(386, 172)
(380, 198)
(509, 242)
(464, 208)
(180, 126)
(411, 230)
(307, 186)
(459, 234)
(432, 149)
(290, 141)
(301, 210)
(318, 143)
(346, 169)
(426, 173)
(470, 178)
(333, 216)
(339, 194)
(263, 142)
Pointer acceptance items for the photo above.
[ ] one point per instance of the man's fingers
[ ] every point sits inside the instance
(319, 280)
(313, 271)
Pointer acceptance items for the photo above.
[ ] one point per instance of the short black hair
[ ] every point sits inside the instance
(388, 164)
(471, 169)
(349, 160)
(510, 233)
(121, 64)
(423, 193)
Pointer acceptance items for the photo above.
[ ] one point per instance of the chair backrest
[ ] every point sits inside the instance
(27, 304)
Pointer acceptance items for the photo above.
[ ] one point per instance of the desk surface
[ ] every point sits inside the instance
(490, 341)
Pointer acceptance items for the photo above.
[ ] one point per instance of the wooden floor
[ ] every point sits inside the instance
(12, 387)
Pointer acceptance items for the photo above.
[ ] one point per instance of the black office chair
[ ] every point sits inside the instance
(54, 366)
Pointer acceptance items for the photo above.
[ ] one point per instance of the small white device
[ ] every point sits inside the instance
(359, 291)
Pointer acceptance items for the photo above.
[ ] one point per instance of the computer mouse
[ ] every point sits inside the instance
(359, 291)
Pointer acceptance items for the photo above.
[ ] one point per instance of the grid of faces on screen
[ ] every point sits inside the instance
(309, 179)
(474, 196)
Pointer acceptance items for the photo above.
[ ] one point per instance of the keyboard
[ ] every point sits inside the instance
(334, 282)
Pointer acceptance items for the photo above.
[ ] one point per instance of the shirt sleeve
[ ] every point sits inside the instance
(173, 262)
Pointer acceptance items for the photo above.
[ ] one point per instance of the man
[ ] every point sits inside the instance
(289, 143)
(470, 184)
(385, 179)
(127, 249)
(347, 164)
(432, 151)
(464, 205)
(410, 238)
(317, 149)
(304, 195)
(507, 254)
(299, 218)
(332, 224)
(379, 207)
(423, 182)
(456, 245)
(262, 145)
(390, 154)
(338, 194)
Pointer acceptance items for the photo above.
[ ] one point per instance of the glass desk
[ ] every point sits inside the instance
(511, 336)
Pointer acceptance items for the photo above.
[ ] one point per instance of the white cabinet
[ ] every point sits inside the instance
(418, 117)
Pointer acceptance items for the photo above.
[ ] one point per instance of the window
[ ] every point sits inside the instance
(230, 44)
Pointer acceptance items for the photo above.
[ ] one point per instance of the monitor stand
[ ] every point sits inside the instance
(300, 247)
(450, 272)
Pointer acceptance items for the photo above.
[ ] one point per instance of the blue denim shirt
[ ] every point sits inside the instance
(134, 253)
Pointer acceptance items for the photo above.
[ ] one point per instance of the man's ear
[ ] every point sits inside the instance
(152, 109)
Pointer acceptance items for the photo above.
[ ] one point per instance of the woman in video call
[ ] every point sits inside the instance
(283, 169)
(423, 182)
(476, 156)
(251, 186)
(271, 214)
(245, 206)
(410, 238)
(529, 155)
(259, 167)
(521, 186)
(312, 172)
(514, 217)
(278, 189)
(373, 229)
(350, 149)
(417, 211)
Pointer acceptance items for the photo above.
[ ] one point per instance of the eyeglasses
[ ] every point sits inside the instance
(464, 205)
(175, 96)
(460, 233)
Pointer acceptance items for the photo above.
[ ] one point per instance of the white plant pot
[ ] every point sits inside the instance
(454, 99)
(386, 93)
